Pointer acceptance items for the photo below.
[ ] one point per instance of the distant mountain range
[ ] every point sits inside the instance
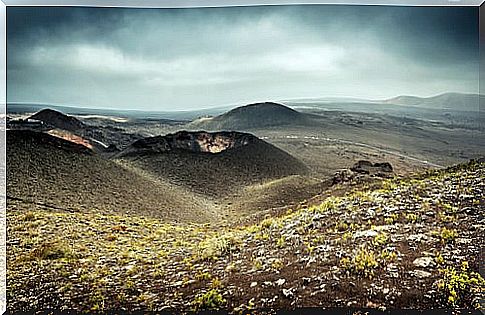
(449, 101)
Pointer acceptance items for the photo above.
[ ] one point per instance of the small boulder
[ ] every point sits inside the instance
(421, 274)
(377, 169)
(424, 262)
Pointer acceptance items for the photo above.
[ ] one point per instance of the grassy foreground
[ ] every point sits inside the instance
(409, 243)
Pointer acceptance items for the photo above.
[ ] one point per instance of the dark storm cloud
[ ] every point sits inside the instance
(178, 58)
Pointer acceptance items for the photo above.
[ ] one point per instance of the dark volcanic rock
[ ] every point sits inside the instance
(366, 167)
(112, 148)
(362, 170)
(57, 119)
(34, 139)
(197, 142)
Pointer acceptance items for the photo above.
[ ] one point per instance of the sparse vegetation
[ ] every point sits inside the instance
(380, 239)
(52, 250)
(412, 218)
(218, 246)
(447, 235)
(363, 263)
(211, 300)
(139, 261)
(457, 285)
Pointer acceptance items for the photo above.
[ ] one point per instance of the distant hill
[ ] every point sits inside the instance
(24, 108)
(213, 164)
(48, 170)
(252, 116)
(59, 120)
(454, 101)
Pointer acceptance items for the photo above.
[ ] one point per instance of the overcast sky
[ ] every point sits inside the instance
(173, 59)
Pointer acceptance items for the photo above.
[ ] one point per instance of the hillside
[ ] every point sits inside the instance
(406, 243)
(252, 116)
(50, 171)
(213, 164)
(59, 120)
(453, 101)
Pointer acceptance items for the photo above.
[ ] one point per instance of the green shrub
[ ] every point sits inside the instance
(447, 235)
(412, 218)
(458, 285)
(380, 239)
(363, 263)
(218, 246)
(211, 300)
(391, 219)
(281, 242)
(341, 226)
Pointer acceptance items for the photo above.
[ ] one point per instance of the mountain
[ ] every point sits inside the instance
(213, 164)
(252, 116)
(51, 171)
(455, 101)
(59, 120)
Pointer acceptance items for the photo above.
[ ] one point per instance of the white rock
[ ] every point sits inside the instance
(288, 293)
(280, 282)
(366, 233)
(253, 284)
(424, 262)
(421, 274)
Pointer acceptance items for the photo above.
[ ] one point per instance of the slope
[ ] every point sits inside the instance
(252, 116)
(408, 243)
(59, 120)
(47, 170)
(212, 164)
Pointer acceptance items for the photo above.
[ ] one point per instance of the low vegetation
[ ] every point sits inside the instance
(385, 246)
(457, 285)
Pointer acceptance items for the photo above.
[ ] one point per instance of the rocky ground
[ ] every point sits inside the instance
(403, 243)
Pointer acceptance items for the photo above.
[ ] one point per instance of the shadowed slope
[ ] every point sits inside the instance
(47, 170)
(59, 120)
(186, 159)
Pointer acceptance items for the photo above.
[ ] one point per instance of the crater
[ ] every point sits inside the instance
(197, 142)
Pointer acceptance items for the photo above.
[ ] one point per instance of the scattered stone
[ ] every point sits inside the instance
(366, 233)
(424, 262)
(420, 273)
(280, 282)
(288, 293)
(417, 238)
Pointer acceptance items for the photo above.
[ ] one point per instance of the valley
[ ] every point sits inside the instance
(267, 206)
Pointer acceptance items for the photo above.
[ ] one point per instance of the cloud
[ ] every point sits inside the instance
(189, 58)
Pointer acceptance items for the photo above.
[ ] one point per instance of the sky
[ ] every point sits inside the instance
(179, 59)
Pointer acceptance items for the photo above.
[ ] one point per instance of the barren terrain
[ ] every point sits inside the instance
(260, 208)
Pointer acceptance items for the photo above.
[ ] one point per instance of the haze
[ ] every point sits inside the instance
(176, 59)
